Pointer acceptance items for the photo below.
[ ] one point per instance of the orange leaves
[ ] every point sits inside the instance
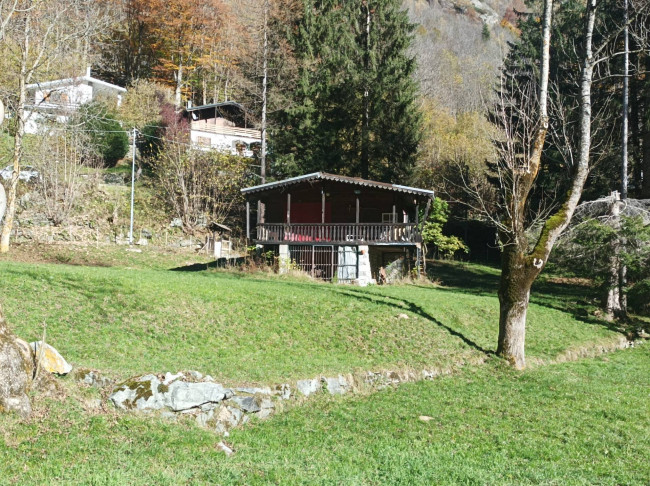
(184, 33)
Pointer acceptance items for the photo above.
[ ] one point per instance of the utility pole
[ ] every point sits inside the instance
(132, 186)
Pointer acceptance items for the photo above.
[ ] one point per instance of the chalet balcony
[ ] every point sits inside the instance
(204, 126)
(351, 233)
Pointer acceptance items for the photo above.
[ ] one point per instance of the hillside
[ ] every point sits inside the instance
(459, 46)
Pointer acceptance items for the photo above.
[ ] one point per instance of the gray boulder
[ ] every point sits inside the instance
(247, 404)
(229, 417)
(141, 393)
(14, 376)
(150, 393)
(183, 396)
(307, 387)
(337, 386)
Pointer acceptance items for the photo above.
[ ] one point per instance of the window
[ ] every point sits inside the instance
(387, 218)
(58, 97)
(204, 141)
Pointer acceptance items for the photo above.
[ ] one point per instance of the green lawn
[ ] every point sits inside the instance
(584, 422)
(125, 313)
(140, 317)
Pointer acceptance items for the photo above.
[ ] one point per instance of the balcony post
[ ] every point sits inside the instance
(288, 208)
(248, 219)
(357, 219)
(322, 206)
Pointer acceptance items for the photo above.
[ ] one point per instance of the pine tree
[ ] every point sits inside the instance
(354, 109)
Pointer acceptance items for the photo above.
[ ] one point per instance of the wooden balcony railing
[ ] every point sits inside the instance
(232, 131)
(338, 233)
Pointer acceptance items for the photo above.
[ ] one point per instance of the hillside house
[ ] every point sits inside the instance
(57, 100)
(339, 228)
(225, 127)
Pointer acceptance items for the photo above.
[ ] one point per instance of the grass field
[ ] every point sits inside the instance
(125, 313)
(585, 422)
(134, 319)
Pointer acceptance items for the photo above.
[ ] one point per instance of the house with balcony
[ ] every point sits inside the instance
(225, 127)
(339, 228)
(57, 100)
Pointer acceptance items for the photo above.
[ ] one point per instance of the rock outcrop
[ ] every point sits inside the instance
(220, 408)
(14, 373)
(214, 405)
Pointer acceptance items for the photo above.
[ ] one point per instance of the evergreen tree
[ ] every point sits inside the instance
(354, 108)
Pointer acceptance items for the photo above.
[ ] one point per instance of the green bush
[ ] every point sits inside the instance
(107, 137)
(150, 141)
(432, 231)
(638, 297)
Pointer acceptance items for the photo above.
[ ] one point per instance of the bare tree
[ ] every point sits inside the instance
(59, 160)
(523, 257)
(524, 134)
(199, 186)
(37, 36)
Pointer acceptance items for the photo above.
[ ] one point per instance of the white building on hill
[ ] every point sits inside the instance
(57, 100)
(225, 127)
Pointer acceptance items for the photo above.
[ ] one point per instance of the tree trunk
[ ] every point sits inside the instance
(3, 202)
(179, 86)
(365, 128)
(612, 302)
(18, 144)
(518, 269)
(514, 294)
(645, 188)
(265, 54)
(626, 91)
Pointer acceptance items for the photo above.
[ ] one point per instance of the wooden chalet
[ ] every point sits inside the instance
(337, 227)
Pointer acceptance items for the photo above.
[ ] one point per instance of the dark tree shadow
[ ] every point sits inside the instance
(574, 299)
(403, 304)
(219, 263)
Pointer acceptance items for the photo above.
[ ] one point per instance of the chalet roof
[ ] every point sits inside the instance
(223, 104)
(75, 81)
(324, 176)
(230, 110)
(218, 226)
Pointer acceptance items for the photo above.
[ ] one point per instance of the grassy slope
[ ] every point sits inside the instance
(135, 319)
(585, 422)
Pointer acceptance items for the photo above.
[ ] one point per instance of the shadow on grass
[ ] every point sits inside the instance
(574, 299)
(219, 263)
(403, 304)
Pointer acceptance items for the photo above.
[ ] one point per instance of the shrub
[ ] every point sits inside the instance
(638, 297)
(106, 136)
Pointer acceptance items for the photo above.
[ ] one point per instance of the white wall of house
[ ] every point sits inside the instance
(223, 142)
(57, 100)
(35, 122)
(63, 96)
